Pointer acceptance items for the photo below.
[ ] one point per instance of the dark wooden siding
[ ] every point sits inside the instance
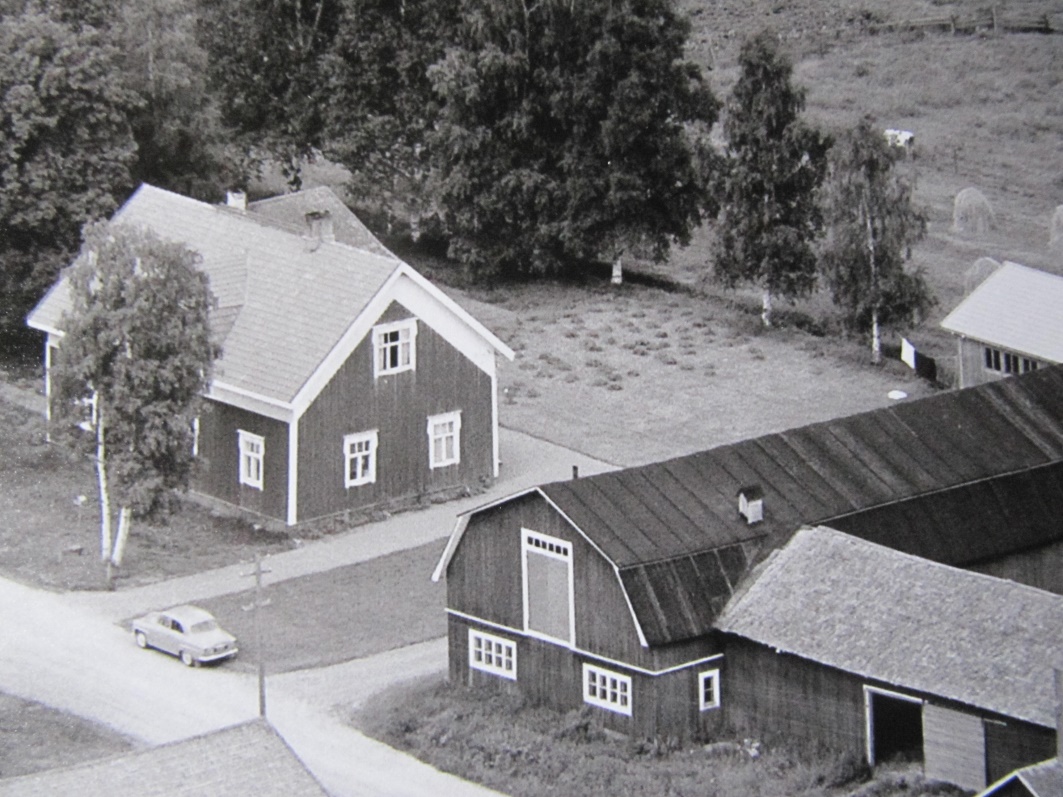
(219, 474)
(398, 406)
(1011, 744)
(1041, 567)
(552, 676)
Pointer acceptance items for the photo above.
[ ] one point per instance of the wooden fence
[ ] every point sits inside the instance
(992, 20)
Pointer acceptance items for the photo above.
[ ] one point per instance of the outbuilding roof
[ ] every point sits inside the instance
(285, 299)
(675, 535)
(898, 619)
(247, 760)
(1016, 308)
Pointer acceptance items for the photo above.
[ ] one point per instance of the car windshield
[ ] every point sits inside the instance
(203, 626)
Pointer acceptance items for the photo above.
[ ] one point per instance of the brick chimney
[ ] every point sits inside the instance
(319, 225)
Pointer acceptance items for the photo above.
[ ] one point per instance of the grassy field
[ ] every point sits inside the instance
(532, 752)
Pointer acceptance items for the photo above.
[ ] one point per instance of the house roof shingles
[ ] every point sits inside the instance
(1017, 308)
(902, 620)
(874, 465)
(247, 760)
(296, 296)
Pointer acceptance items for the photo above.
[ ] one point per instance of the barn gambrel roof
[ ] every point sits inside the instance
(673, 532)
(905, 621)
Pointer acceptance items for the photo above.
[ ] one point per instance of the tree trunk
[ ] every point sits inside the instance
(122, 537)
(876, 338)
(765, 313)
(105, 493)
(618, 271)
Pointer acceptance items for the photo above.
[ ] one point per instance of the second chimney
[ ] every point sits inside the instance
(319, 223)
(237, 200)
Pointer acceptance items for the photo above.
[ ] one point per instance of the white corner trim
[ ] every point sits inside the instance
(293, 473)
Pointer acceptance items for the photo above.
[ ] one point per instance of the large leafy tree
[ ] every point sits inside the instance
(872, 225)
(769, 218)
(137, 346)
(569, 132)
(66, 149)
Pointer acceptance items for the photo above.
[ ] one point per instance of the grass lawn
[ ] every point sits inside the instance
(530, 752)
(341, 614)
(34, 738)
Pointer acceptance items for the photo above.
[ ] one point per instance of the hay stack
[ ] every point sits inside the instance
(1055, 230)
(977, 274)
(971, 213)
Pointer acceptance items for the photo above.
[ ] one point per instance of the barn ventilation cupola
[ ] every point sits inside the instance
(751, 503)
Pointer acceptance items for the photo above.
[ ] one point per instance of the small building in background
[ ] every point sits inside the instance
(1010, 323)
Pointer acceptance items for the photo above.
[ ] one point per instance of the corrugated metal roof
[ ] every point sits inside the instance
(296, 296)
(1017, 308)
(900, 619)
(248, 760)
(873, 465)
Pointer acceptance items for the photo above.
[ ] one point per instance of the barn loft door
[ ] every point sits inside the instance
(547, 571)
(894, 726)
(955, 747)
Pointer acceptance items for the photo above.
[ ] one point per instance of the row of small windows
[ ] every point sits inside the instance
(603, 688)
(360, 451)
(1005, 362)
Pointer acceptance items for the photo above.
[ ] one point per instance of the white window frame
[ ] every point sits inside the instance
(491, 654)
(247, 443)
(713, 677)
(349, 442)
(616, 689)
(195, 437)
(536, 543)
(407, 348)
(444, 418)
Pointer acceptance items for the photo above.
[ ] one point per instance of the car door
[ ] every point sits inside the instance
(168, 634)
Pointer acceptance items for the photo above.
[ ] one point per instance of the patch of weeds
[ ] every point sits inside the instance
(710, 370)
(614, 377)
(570, 378)
(600, 382)
(632, 372)
(532, 393)
(527, 366)
(661, 334)
(667, 359)
(661, 345)
(592, 334)
(686, 367)
(756, 353)
(615, 386)
(570, 333)
(638, 314)
(593, 362)
(592, 346)
(610, 341)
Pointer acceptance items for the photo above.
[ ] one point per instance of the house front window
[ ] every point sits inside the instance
(606, 689)
(709, 690)
(394, 347)
(252, 449)
(359, 454)
(492, 654)
(546, 569)
(444, 440)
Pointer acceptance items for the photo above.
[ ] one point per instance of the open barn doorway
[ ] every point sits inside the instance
(894, 727)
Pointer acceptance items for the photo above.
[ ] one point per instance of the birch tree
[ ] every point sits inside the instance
(769, 218)
(134, 359)
(872, 225)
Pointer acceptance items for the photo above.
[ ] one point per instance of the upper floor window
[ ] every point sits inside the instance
(548, 597)
(252, 451)
(359, 456)
(444, 439)
(394, 347)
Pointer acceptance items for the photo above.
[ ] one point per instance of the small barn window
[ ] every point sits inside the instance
(394, 347)
(359, 454)
(444, 439)
(492, 654)
(1005, 362)
(709, 690)
(606, 689)
(252, 450)
(548, 596)
(992, 359)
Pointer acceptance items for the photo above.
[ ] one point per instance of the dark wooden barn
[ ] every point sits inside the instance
(347, 380)
(865, 650)
(605, 590)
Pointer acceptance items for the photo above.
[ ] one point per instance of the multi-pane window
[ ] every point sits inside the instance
(359, 454)
(444, 439)
(394, 348)
(709, 690)
(252, 449)
(492, 654)
(548, 598)
(1007, 363)
(606, 689)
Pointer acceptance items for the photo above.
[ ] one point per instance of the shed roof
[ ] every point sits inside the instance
(285, 300)
(902, 620)
(247, 760)
(1017, 308)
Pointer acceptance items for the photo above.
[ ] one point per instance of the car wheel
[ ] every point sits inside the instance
(142, 641)
(186, 658)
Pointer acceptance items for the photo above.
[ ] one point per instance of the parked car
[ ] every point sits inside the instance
(188, 632)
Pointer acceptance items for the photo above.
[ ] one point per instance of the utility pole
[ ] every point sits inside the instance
(258, 603)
